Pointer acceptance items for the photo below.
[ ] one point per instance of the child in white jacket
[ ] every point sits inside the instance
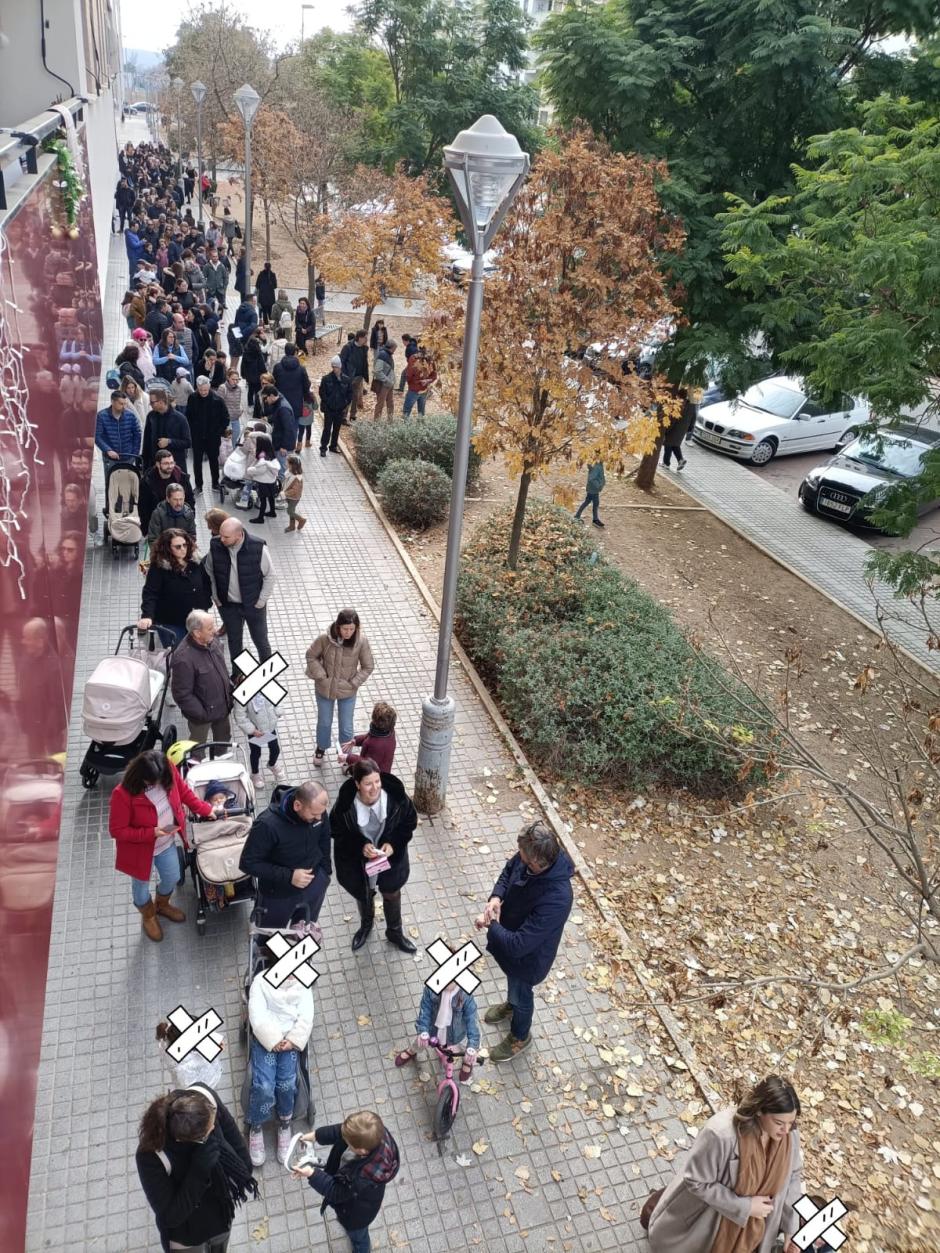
(281, 1021)
(258, 720)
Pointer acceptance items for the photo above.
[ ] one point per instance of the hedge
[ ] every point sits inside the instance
(593, 674)
(414, 493)
(426, 439)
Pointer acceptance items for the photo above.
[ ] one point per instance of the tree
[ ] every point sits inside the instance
(579, 264)
(726, 92)
(355, 80)
(450, 61)
(844, 275)
(389, 241)
(270, 131)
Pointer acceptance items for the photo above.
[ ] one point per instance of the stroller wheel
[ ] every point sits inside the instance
(89, 776)
(311, 1112)
(168, 737)
(243, 1032)
(182, 860)
(201, 927)
(136, 550)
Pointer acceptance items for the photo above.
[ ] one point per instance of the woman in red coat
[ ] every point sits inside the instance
(146, 813)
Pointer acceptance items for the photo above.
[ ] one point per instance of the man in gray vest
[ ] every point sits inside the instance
(242, 577)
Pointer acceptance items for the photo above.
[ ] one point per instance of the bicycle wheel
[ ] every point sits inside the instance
(445, 1114)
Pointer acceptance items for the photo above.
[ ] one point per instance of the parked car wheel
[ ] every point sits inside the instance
(764, 453)
(846, 438)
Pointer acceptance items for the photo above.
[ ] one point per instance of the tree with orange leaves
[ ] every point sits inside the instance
(389, 242)
(579, 288)
(270, 132)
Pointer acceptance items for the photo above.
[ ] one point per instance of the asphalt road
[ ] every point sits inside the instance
(786, 474)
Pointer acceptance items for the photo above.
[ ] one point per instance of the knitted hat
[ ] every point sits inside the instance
(181, 372)
(336, 361)
(139, 334)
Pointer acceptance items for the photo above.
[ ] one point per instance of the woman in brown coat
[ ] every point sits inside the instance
(735, 1190)
(339, 662)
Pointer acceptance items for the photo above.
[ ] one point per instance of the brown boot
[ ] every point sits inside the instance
(301, 522)
(166, 910)
(149, 921)
(291, 526)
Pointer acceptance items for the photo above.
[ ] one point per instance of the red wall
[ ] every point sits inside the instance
(51, 280)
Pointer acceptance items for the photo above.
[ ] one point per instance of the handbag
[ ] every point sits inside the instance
(646, 1213)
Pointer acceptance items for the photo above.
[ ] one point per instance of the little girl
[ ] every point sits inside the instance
(281, 1021)
(378, 743)
(293, 490)
(193, 1068)
(181, 389)
(450, 1016)
(264, 474)
(258, 720)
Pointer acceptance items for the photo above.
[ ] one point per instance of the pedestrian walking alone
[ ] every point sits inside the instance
(677, 430)
(592, 494)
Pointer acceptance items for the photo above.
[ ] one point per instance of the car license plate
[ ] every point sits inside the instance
(837, 506)
(710, 437)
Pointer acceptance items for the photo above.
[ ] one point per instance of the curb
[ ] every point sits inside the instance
(670, 1023)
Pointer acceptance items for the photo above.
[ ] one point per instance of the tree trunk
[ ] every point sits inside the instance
(267, 228)
(367, 320)
(311, 283)
(647, 471)
(515, 538)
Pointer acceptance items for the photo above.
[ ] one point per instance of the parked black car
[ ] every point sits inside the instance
(851, 485)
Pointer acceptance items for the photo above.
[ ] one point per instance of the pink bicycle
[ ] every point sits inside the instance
(448, 1092)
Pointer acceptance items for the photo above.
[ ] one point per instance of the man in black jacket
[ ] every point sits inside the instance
(288, 852)
(156, 480)
(284, 428)
(335, 395)
(165, 427)
(208, 421)
(355, 362)
(157, 319)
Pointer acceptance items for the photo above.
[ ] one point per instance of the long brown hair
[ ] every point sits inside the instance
(346, 617)
(183, 1116)
(160, 550)
(772, 1095)
(147, 770)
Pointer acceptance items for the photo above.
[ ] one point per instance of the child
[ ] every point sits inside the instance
(378, 743)
(226, 448)
(293, 490)
(258, 720)
(264, 473)
(193, 1068)
(181, 389)
(356, 1187)
(450, 1016)
(281, 1021)
(220, 796)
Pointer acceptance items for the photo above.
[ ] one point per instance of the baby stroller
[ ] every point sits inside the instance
(304, 1102)
(121, 509)
(123, 702)
(216, 843)
(234, 478)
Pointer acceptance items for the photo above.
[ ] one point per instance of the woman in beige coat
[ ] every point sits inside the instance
(735, 1189)
(339, 661)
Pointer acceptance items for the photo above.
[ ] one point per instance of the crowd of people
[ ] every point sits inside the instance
(248, 411)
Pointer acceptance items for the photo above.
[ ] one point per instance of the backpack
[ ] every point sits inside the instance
(113, 380)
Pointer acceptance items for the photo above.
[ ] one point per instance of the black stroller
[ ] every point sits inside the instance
(122, 505)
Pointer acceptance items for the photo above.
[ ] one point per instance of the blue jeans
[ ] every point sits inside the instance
(360, 1240)
(167, 866)
(179, 632)
(236, 426)
(593, 499)
(410, 398)
(347, 708)
(273, 1084)
(521, 997)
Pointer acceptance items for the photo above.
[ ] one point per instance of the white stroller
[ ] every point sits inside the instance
(123, 702)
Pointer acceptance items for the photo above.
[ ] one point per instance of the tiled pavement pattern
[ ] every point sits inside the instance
(108, 986)
(827, 556)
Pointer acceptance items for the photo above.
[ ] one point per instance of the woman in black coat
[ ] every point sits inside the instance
(194, 1168)
(373, 815)
(175, 585)
(303, 324)
(293, 381)
(253, 364)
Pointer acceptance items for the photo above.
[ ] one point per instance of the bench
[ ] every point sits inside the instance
(321, 332)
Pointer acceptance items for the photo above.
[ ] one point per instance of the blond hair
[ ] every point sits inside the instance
(363, 1130)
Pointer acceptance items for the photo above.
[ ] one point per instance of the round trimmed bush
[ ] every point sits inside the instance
(427, 439)
(414, 493)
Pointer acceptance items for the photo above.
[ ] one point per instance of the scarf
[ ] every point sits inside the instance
(760, 1173)
(445, 1013)
(231, 1180)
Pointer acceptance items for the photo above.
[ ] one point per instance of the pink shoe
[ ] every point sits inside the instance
(256, 1146)
(283, 1141)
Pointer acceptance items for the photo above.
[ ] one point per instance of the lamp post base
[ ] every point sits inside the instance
(434, 744)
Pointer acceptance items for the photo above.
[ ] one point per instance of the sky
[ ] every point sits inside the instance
(152, 29)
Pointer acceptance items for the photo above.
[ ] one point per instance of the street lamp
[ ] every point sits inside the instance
(486, 167)
(303, 9)
(178, 86)
(247, 100)
(199, 91)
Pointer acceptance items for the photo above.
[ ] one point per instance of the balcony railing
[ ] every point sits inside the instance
(21, 144)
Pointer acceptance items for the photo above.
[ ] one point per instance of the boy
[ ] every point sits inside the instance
(355, 1188)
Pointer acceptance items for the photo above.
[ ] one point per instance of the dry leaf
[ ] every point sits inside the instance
(592, 1151)
(480, 1147)
(260, 1232)
(522, 1172)
(364, 1020)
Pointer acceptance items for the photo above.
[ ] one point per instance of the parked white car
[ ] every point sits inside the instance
(778, 417)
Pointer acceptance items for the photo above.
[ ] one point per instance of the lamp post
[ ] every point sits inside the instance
(199, 94)
(486, 168)
(247, 100)
(178, 86)
(303, 9)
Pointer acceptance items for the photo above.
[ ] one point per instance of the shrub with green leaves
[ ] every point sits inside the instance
(429, 438)
(594, 675)
(414, 493)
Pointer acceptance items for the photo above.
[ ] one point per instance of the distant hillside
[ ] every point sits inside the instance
(143, 59)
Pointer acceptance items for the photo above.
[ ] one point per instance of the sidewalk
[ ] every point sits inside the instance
(828, 557)
(108, 986)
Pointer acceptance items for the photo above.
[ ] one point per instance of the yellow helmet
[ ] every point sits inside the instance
(177, 751)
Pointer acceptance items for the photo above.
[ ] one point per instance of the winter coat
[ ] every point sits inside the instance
(170, 594)
(180, 391)
(185, 1201)
(303, 324)
(207, 417)
(702, 1192)
(464, 1024)
(171, 426)
(596, 478)
(533, 915)
(337, 669)
(153, 490)
(280, 842)
(132, 822)
(246, 318)
(257, 715)
(266, 286)
(676, 431)
(163, 518)
(168, 363)
(155, 323)
(419, 375)
(355, 1188)
(216, 279)
(263, 471)
(281, 307)
(235, 400)
(293, 382)
(335, 394)
(355, 361)
(283, 425)
(378, 337)
(120, 435)
(254, 362)
(383, 372)
(378, 747)
(200, 680)
(283, 1013)
(400, 821)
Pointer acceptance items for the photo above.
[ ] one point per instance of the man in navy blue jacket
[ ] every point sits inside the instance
(117, 433)
(524, 919)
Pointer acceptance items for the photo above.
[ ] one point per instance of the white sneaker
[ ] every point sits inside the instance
(257, 781)
(280, 774)
(283, 1142)
(256, 1146)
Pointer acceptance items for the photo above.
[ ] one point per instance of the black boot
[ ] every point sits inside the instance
(260, 518)
(367, 918)
(393, 931)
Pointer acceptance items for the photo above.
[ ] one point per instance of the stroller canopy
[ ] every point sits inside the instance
(117, 699)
